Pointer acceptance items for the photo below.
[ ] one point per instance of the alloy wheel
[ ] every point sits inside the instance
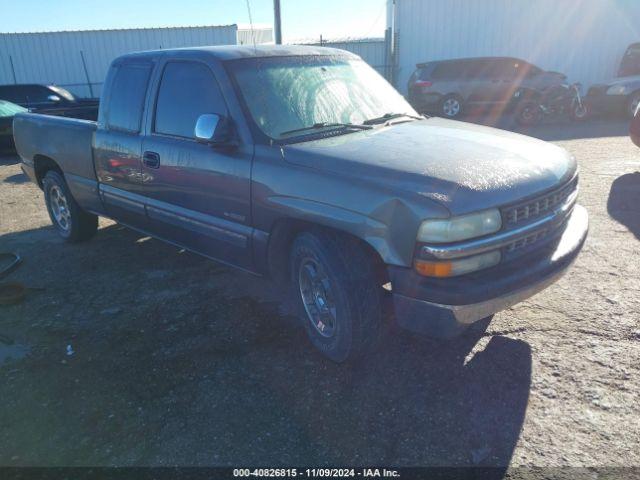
(451, 107)
(60, 208)
(318, 297)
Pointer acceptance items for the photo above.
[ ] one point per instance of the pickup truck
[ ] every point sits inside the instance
(50, 100)
(305, 165)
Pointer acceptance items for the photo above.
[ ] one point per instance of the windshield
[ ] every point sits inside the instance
(287, 94)
(8, 109)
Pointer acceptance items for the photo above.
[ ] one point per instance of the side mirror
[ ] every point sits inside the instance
(53, 98)
(213, 129)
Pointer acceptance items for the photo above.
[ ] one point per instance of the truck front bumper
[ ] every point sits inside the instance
(446, 307)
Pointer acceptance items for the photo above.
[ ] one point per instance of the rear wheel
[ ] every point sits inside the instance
(338, 295)
(451, 106)
(579, 112)
(72, 223)
(528, 113)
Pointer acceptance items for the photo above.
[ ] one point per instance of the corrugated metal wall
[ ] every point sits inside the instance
(371, 50)
(261, 35)
(584, 39)
(54, 58)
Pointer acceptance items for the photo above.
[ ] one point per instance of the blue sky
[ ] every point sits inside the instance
(301, 19)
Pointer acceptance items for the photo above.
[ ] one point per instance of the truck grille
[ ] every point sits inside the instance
(527, 241)
(531, 210)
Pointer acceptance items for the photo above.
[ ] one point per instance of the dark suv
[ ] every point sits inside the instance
(450, 87)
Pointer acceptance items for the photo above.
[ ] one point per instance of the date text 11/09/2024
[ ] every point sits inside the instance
(316, 472)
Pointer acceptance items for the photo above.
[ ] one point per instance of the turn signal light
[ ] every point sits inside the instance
(456, 267)
(433, 269)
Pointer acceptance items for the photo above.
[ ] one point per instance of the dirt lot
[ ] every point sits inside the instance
(179, 361)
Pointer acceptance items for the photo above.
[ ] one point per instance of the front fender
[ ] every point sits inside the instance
(376, 233)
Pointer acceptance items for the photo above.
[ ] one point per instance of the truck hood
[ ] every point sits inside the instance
(462, 166)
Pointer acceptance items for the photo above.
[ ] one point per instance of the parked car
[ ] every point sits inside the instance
(304, 164)
(50, 99)
(450, 87)
(7, 111)
(621, 95)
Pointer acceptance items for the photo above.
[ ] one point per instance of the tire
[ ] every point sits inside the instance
(579, 113)
(528, 114)
(451, 106)
(633, 103)
(72, 223)
(338, 297)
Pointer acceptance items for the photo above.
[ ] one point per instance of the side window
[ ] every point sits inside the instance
(450, 70)
(503, 68)
(187, 90)
(126, 102)
(38, 94)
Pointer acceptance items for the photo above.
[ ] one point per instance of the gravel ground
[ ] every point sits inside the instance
(179, 361)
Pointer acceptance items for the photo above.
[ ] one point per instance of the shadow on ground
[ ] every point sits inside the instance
(17, 178)
(624, 201)
(179, 361)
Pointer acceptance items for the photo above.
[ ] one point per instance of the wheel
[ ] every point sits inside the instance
(579, 112)
(451, 106)
(72, 223)
(528, 113)
(338, 297)
(632, 104)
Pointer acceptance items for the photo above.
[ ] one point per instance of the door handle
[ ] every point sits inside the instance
(151, 159)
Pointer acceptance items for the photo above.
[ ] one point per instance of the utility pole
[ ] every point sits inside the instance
(277, 22)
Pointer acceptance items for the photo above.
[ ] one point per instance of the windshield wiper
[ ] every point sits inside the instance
(389, 116)
(318, 126)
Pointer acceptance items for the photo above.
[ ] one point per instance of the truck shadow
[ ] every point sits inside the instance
(623, 204)
(179, 361)
(18, 178)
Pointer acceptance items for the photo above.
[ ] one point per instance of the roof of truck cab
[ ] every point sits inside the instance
(233, 52)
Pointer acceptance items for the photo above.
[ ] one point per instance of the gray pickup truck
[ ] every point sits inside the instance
(304, 164)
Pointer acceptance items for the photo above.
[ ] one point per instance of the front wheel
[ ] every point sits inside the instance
(72, 223)
(338, 296)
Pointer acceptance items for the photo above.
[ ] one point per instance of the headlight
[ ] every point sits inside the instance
(460, 228)
(617, 90)
(452, 268)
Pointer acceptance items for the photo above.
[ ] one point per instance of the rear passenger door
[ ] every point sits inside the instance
(503, 75)
(118, 142)
(197, 195)
(478, 75)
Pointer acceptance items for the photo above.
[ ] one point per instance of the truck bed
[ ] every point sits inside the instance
(67, 141)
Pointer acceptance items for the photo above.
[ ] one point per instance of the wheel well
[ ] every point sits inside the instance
(44, 164)
(283, 235)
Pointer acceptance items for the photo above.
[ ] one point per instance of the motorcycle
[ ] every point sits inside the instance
(533, 106)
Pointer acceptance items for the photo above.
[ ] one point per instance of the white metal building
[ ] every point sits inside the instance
(78, 60)
(584, 39)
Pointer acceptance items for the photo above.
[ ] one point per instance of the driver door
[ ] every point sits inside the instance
(197, 195)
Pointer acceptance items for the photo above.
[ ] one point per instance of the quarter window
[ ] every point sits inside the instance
(127, 98)
(187, 90)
